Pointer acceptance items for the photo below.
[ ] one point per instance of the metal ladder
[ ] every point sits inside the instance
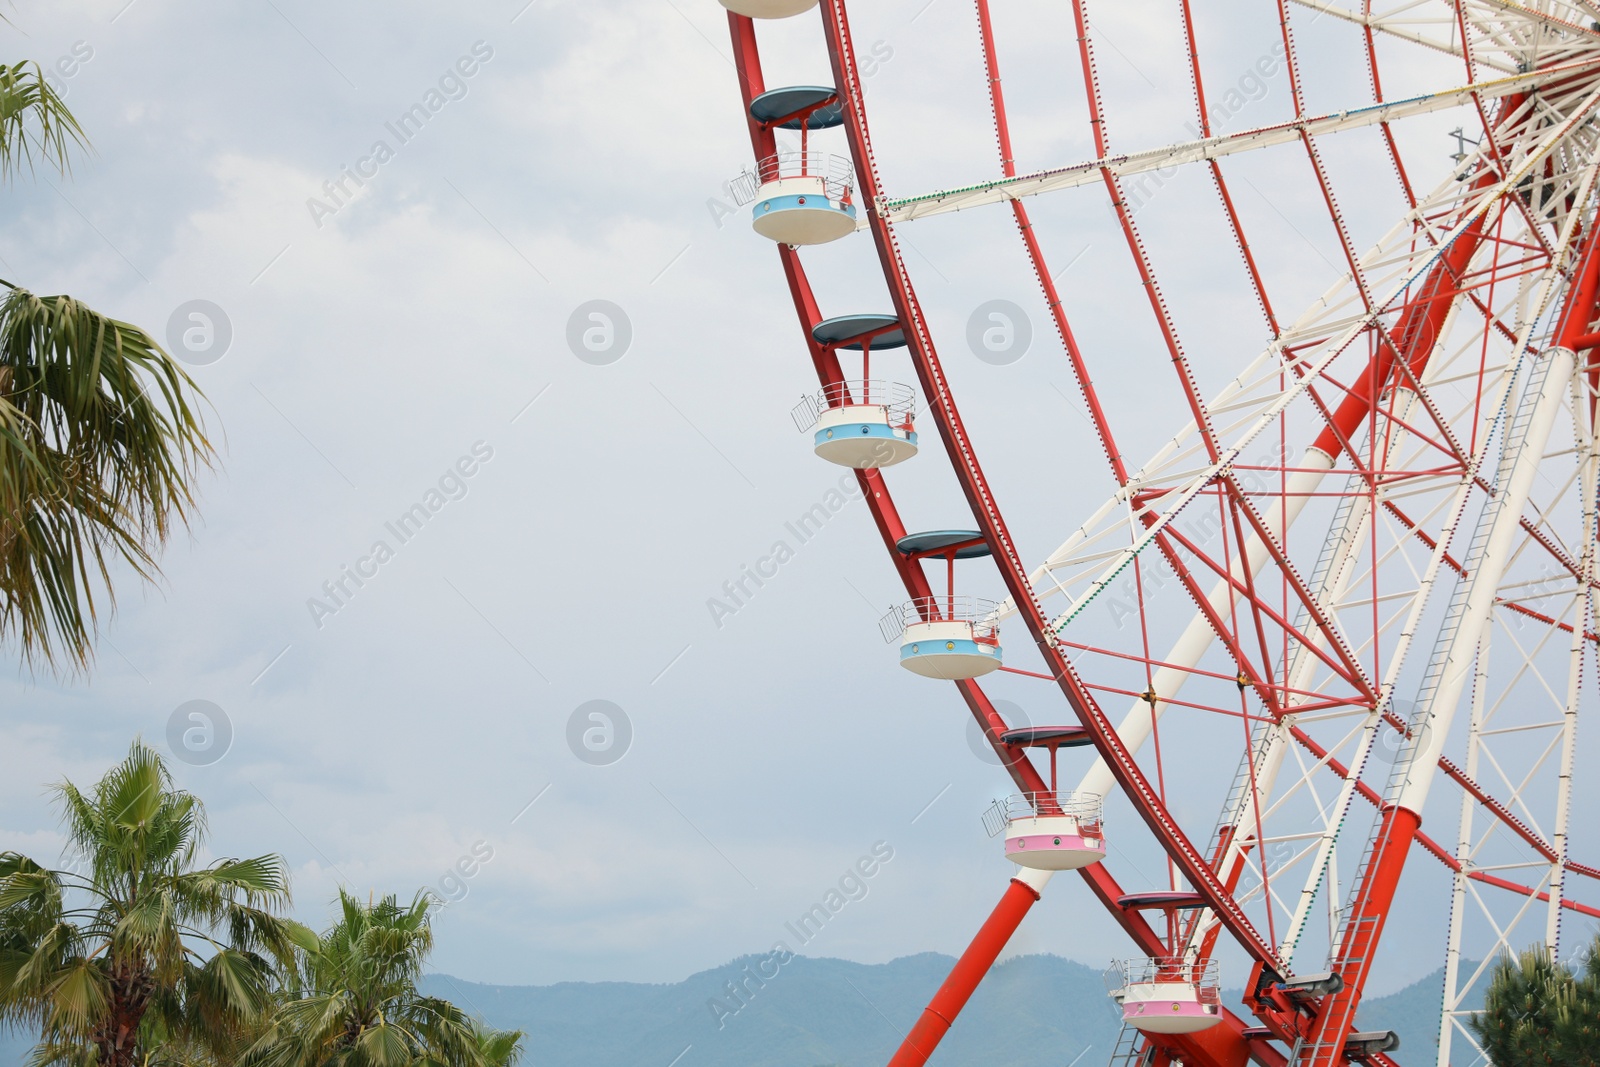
(1131, 1049)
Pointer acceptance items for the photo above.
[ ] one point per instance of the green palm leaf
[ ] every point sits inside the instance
(385, 1046)
(24, 884)
(34, 121)
(79, 995)
(100, 441)
(499, 1048)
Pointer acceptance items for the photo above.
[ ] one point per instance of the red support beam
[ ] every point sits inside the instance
(1578, 315)
(965, 976)
(1362, 933)
(1222, 1046)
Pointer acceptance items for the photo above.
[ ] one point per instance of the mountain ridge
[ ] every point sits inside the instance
(1031, 1011)
(759, 1011)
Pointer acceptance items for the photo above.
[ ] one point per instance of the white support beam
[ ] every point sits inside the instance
(1394, 27)
(1002, 190)
(1453, 659)
(1582, 620)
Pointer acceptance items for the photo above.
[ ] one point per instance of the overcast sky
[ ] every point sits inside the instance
(405, 341)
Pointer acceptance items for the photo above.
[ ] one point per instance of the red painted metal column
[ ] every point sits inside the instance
(1362, 934)
(1573, 330)
(965, 976)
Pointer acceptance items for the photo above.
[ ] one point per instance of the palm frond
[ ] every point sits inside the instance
(56, 1054)
(27, 889)
(34, 121)
(83, 819)
(133, 792)
(78, 998)
(261, 880)
(499, 1048)
(259, 929)
(385, 1045)
(45, 958)
(233, 987)
(100, 440)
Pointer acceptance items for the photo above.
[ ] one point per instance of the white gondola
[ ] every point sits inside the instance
(1167, 995)
(949, 637)
(769, 9)
(861, 424)
(800, 198)
(1048, 831)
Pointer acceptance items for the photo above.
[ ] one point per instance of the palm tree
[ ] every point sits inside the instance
(100, 439)
(140, 956)
(353, 1001)
(1537, 1012)
(499, 1048)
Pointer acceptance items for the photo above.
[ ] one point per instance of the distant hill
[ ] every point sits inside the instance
(1032, 1011)
(1414, 1011)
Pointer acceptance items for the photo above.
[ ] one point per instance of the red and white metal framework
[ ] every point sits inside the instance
(1415, 556)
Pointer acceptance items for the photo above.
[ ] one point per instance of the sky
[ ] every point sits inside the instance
(419, 338)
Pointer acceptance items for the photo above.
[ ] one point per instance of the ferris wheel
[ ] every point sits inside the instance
(1366, 563)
